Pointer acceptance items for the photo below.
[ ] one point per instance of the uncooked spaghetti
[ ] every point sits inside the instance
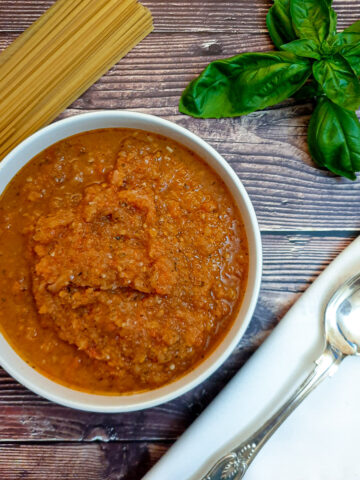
(59, 57)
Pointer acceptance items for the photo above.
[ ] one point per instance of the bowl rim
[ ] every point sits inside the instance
(169, 391)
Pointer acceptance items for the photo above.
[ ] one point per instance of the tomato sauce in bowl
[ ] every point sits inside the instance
(124, 260)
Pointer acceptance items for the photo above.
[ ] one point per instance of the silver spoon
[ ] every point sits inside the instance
(342, 337)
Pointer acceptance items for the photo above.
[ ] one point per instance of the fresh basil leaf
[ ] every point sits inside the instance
(333, 139)
(303, 48)
(346, 43)
(313, 19)
(338, 81)
(243, 84)
(351, 49)
(354, 28)
(310, 90)
(279, 24)
(354, 62)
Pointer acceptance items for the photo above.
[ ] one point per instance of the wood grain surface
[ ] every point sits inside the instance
(307, 217)
(181, 15)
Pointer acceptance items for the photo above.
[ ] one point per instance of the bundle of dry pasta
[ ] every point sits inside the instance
(60, 56)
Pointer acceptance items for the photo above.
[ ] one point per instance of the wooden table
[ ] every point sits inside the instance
(307, 217)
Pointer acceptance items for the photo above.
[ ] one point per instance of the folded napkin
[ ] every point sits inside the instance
(320, 440)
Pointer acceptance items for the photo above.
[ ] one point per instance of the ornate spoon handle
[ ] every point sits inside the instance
(234, 465)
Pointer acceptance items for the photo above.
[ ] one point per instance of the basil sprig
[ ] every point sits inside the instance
(313, 61)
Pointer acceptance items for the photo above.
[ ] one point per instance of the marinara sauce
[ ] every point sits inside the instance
(123, 258)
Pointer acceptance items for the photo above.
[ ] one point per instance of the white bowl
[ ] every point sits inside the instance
(33, 145)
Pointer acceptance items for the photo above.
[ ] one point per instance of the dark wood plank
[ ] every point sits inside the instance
(291, 263)
(112, 461)
(267, 149)
(181, 15)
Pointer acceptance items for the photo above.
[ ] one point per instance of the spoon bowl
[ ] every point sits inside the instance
(342, 318)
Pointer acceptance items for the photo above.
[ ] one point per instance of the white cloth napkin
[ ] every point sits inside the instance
(321, 439)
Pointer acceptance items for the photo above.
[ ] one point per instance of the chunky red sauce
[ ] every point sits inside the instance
(123, 261)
